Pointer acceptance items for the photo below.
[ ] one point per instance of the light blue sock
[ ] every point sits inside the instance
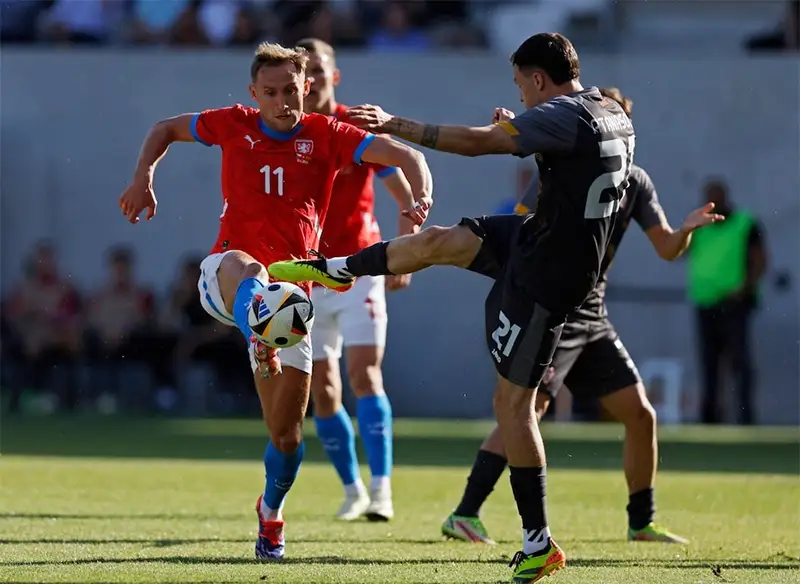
(339, 441)
(374, 414)
(241, 304)
(281, 470)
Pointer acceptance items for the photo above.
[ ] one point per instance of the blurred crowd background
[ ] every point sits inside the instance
(128, 346)
(377, 25)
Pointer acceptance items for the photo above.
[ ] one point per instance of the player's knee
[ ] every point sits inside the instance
(512, 404)
(254, 270)
(365, 380)
(642, 416)
(287, 440)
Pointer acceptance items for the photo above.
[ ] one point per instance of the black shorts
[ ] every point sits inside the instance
(591, 366)
(521, 334)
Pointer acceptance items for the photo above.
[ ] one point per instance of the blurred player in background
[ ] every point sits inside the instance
(592, 362)
(356, 318)
(278, 169)
(544, 265)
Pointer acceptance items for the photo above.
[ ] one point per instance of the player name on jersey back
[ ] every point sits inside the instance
(584, 146)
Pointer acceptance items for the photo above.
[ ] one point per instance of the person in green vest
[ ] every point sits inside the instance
(726, 263)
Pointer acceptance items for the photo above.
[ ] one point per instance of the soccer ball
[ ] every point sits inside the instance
(280, 315)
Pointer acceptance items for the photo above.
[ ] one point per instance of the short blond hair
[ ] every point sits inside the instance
(615, 94)
(319, 47)
(272, 54)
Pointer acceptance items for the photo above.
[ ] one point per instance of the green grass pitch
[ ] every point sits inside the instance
(156, 500)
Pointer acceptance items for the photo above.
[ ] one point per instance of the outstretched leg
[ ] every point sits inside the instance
(434, 246)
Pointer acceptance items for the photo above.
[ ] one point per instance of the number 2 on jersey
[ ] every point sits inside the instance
(268, 173)
(614, 148)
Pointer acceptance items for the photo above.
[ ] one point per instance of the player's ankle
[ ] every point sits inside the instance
(355, 488)
(535, 541)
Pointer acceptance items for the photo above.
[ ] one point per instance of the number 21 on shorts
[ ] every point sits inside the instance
(614, 148)
(505, 336)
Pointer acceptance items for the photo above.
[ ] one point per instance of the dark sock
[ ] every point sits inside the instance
(528, 484)
(485, 473)
(370, 261)
(641, 508)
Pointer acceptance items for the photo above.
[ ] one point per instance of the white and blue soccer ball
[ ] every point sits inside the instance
(280, 315)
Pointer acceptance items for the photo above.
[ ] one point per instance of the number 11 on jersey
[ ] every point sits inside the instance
(268, 173)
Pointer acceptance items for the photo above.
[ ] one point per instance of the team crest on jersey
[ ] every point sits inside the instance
(303, 150)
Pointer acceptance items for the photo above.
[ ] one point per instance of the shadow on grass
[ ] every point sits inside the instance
(714, 565)
(159, 438)
(172, 542)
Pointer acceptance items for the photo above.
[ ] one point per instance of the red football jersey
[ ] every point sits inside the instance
(276, 186)
(351, 224)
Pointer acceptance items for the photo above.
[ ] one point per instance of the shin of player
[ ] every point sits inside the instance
(355, 320)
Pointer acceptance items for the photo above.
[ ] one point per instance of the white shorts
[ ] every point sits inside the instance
(298, 356)
(356, 317)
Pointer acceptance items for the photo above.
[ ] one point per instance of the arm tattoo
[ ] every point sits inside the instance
(430, 135)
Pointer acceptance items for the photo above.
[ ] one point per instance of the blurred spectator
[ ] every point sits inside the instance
(786, 36)
(155, 22)
(198, 338)
(122, 337)
(44, 327)
(227, 22)
(726, 263)
(397, 32)
(83, 21)
(19, 19)
(187, 30)
(334, 23)
(121, 308)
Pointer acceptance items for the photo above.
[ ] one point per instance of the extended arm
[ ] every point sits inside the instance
(398, 187)
(549, 126)
(669, 243)
(464, 140)
(158, 140)
(388, 152)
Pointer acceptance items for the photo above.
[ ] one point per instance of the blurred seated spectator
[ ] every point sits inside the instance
(333, 22)
(122, 337)
(197, 338)
(19, 19)
(155, 22)
(83, 21)
(227, 22)
(44, 326)
(397, 31)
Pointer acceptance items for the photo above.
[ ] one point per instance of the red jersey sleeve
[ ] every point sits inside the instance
(211, 127)
(349, 143)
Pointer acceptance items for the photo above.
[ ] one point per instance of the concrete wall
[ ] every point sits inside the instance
(71, 124)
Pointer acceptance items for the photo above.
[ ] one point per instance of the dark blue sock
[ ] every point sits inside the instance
(244, 297)
(281, 470)
(339, 441)
(374, 414)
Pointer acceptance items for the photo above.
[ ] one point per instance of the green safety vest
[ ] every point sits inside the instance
(718, 259)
